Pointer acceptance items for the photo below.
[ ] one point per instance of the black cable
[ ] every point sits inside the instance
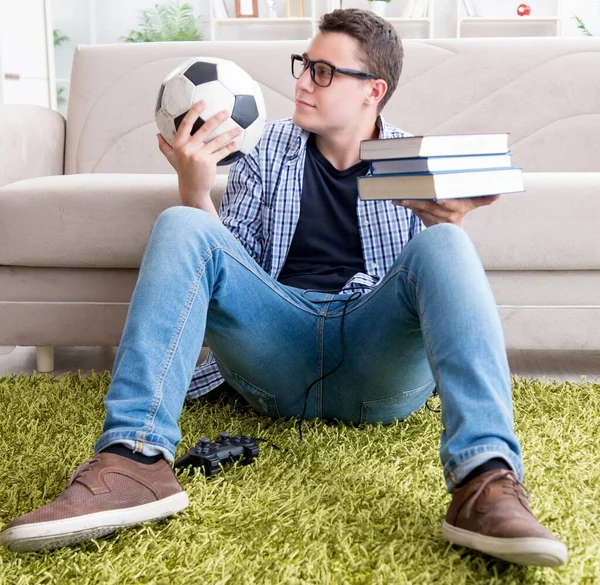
(433, 395)
(352, 297)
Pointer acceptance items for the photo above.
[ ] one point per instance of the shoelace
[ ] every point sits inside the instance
(82, 469)
(511, 487)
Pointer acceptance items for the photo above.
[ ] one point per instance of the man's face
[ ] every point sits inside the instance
(326, 109)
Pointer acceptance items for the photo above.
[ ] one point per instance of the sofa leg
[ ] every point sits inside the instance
(45, 358)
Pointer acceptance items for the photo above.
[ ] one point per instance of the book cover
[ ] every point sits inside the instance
(441, 163)
(434, 145)
(441, 185)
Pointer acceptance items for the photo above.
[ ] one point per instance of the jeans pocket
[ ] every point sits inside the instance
(396, 407)
(260, 400)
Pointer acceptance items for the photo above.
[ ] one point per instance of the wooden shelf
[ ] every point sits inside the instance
(481, 26)
(509, 19)
(279, 21)
(408, 20)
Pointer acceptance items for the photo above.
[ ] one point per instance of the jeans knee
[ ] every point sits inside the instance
(182, 219)
(444, 236)
(181, 214)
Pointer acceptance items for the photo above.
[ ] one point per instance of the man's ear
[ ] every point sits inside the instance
(378, 91)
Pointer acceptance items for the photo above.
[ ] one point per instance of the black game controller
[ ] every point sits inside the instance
(208, 456)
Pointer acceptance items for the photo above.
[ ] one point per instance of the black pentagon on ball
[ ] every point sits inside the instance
(245, 110)
(159, 100)
(197, 124)
(230, 158)
(201, 72)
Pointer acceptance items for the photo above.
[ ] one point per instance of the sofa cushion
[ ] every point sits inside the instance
(552, 226)
(544, 91)
(88, 220)
(103, 221)
(33, 142)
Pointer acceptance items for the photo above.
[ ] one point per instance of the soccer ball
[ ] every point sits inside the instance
(222, 85)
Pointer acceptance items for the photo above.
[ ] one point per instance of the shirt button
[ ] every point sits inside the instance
(366, 222)
(373, 265)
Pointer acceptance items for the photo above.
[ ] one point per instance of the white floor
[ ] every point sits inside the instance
(557, 365)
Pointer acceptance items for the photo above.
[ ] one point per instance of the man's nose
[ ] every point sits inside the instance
(305, 81)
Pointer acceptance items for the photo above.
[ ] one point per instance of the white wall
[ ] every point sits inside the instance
(588, 10)
(22, 37)
(24, 52)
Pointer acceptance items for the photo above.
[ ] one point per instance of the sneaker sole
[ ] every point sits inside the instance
(540, 552)
(44, 535)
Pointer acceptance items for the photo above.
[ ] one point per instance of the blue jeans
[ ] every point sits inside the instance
(431, 322)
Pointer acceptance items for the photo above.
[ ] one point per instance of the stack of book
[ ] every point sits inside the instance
(447, 166)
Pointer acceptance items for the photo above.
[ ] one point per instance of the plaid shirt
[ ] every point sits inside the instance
(261, 207)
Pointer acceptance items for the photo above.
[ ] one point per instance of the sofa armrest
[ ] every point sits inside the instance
(552, 226)
(32, 143)
(85, 220)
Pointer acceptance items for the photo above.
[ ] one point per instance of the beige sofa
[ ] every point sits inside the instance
(77, 200)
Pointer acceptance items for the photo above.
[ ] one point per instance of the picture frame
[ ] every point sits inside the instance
(294, 8)
(246, 8)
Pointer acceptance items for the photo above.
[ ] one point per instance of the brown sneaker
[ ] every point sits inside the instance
(104, 494)
(491, 514)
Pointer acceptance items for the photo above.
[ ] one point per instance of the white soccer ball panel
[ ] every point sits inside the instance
(252, 135)
(178, 70)
(216, 98)
(234, 78)
(260, 101)
(166, 126)
(178, 96)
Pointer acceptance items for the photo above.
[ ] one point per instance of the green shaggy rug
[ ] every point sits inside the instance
(347, 505)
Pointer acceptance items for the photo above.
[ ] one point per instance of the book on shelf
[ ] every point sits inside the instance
(441, 185)
(441, 163)
(415, 9)
(434, 145)
(472, 7)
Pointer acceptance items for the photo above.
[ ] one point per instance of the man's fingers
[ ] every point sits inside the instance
(425, 206)
(222, 140)
(209, 127)
(485, 200)
(163, 145)
(185, 128)
(225, 151)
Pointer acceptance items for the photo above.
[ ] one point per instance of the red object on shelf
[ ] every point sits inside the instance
(524, 10)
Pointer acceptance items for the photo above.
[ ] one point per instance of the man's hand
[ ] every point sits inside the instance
(195, 160)
(445, 210)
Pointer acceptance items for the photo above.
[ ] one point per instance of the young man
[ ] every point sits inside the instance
(295, 256)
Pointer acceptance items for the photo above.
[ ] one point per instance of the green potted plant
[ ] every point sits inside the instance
(581, 26)
(59, 38)
(378, 6)
(167, 22)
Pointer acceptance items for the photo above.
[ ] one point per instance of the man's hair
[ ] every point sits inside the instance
(381, 49)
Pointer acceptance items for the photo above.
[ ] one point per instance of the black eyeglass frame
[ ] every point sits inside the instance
(308, 64)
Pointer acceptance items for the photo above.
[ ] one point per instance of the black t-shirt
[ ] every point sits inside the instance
(326, 250)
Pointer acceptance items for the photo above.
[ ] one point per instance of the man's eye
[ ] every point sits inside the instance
(323, 71)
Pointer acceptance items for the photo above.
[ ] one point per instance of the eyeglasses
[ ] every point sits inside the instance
(322, 72)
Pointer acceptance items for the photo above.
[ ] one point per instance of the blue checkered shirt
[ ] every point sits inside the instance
(261, 207)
